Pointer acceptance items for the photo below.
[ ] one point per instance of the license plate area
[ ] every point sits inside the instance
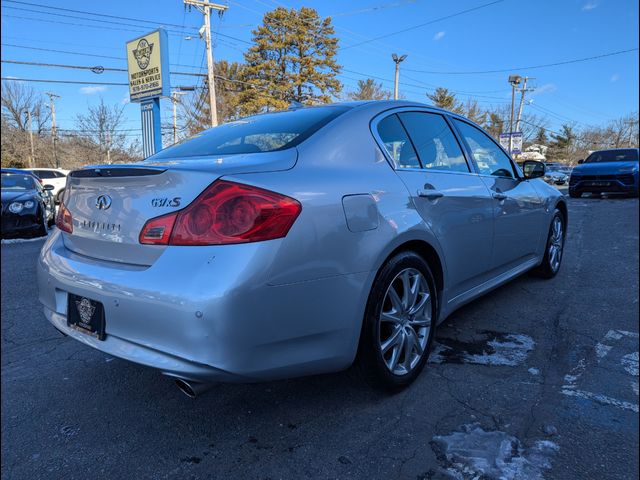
(599, 184)
(86, 316)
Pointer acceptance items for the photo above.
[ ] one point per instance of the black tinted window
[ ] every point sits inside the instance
(628, 155)
(397, 143)
(261, 133)
(44, 174)
(434, 141)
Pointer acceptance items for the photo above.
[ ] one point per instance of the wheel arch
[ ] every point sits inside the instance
(562, 206)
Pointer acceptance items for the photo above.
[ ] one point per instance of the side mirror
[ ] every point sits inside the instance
(581, 161)
(48, 187)
(533, 169)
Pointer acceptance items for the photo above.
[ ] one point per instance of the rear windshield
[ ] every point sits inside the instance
(630, 155)
(261, 133)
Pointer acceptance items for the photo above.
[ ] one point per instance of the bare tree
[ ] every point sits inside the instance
(19, 98)
(100, 128)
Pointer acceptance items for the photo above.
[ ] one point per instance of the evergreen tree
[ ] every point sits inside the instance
(562, 144)
(292, 59)
(442, 98)
(541, 137)
(369, 89)
(495, 125)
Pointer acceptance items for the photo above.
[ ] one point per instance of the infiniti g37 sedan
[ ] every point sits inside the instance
(296, 243)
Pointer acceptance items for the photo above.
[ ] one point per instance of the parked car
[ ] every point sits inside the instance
(606, 171)
(27, 207)
(53, 176)
(295, 243)
(554, 175)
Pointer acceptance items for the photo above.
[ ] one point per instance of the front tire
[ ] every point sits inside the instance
(399, 323)
(575, 194)
(554, 247)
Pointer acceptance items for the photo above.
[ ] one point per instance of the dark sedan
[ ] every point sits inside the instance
(27, 207)
(606, 171)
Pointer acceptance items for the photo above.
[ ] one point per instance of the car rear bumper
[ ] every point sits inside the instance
(209, 313)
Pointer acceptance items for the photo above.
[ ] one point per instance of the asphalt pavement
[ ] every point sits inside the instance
(538, 379)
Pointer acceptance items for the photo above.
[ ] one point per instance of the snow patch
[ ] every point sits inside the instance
(9, 241)
(474, 453)
(534, 371)
(630, 363)
(602, 350)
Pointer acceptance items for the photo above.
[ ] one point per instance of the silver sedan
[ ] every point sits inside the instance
(296, 243)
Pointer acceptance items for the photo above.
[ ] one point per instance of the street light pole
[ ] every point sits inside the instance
(397, 60)
(175, 99)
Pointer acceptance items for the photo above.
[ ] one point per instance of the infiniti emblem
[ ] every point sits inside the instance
(103, 202)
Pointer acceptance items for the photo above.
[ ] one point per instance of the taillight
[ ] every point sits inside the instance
(63, 219)
(225, 213)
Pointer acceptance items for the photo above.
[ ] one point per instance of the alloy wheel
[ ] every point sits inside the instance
(556, 244)
(405, 321)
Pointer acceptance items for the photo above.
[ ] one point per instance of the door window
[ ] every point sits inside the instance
(437, 147)
(491, 160)
(397, 143)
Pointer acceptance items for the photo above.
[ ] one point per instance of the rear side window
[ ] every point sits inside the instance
(434, 141)
(491, 160)
(45, 174)
(261, 133)
(397, 143)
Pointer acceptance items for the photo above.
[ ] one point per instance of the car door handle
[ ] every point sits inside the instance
(499, 196)
(430, 194)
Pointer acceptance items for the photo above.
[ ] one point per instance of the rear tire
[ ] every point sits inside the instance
(59, 196)
(399, 323)
(574, 194)
(554, 248)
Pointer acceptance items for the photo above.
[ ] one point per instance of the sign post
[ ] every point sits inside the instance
(148, 67)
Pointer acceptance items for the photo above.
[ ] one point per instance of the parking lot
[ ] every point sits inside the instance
(539, 378)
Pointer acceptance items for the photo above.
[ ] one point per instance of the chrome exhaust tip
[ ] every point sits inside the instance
(192, 389)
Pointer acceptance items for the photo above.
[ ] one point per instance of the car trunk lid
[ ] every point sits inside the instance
(110, 204)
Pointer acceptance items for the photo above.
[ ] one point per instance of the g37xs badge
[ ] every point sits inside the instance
(166, 202)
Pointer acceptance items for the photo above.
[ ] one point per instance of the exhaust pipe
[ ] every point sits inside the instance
(192, 389)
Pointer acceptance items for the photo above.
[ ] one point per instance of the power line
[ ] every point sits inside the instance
(531, 67)
(446, 17)
(98, 69)
(96, 14)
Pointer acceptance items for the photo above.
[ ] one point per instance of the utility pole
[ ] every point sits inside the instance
(205, 8)
(523, 90)
(398, 61)
(175, 98)
(54, 130)
(32, 158)
(514, 80)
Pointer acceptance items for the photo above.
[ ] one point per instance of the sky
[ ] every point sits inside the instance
(444, 42)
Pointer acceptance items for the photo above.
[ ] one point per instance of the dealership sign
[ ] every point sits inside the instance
(148, 63)
(148, 67)
(516, 142)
